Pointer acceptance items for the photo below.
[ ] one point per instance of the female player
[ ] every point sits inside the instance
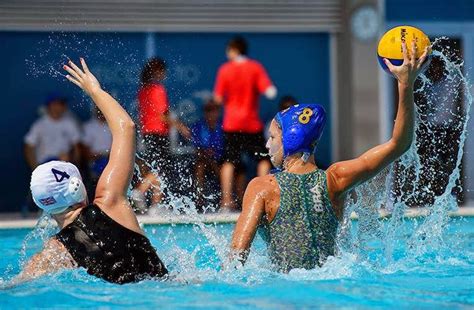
(298, 208)
(103, 236)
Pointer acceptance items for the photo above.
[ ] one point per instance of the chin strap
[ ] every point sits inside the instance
(305, 156)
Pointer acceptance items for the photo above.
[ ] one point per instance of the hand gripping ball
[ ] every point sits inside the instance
(390, 45)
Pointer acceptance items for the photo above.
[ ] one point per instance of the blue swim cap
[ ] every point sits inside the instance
(301, 127)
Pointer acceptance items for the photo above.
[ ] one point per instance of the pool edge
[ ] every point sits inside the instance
(222, 218)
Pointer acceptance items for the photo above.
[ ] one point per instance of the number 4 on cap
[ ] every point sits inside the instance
(59, 175)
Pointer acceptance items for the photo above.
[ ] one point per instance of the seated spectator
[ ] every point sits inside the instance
(97, 140)
(208, 138)
(54, 136)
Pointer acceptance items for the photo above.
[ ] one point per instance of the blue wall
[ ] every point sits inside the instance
(297, 63)
(429, 11)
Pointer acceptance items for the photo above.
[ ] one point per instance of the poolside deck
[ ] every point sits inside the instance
(15, 220)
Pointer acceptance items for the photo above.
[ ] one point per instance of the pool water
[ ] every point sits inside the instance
(443, 277)
(416, 263)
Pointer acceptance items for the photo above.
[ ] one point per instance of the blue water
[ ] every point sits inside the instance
(396, 262)
(443, 277)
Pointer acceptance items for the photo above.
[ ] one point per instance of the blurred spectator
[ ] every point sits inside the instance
(155, 120)
(54, 136)
(153, 111)
(208, 139)
(238, 85)
(153, 108)
(96, 141)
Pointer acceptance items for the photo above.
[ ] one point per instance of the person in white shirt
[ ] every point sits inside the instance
(97, 140)
(53, 136)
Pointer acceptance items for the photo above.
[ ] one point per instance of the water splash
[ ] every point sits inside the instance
(400, 186)
(428, 175)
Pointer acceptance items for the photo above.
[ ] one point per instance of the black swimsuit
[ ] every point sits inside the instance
(108, 250)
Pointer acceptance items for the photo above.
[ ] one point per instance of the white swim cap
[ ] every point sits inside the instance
(56, 186)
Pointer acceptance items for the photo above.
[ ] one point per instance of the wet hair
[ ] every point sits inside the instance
(153, 65)
(238, 43)
(286, 102)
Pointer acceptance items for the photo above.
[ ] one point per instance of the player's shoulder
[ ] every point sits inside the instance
(263, 182)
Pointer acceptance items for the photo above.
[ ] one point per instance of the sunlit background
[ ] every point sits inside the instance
(321, 51)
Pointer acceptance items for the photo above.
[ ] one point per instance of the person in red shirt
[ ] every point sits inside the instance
(153, 110)
(239, 83)
(155, 122)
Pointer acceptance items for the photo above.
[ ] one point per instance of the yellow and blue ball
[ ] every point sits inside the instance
(390, 45)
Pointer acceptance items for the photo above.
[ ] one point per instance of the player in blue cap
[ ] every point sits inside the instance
(297, 209)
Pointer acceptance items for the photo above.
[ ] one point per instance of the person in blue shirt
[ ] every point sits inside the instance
(208, 139)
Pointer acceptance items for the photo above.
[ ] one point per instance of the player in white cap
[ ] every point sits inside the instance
(104, 237)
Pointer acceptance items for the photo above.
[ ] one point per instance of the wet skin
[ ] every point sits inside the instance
(262, 196)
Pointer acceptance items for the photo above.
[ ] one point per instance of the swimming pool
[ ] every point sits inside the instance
(442, 278)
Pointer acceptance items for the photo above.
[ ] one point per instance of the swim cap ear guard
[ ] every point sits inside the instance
(301, 127)
(76, 191)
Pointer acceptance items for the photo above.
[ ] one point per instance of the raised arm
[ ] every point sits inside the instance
(342, 176)
(253, 209)
(113, 184)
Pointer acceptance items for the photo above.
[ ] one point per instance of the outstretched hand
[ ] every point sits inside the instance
(82, 77)
(411, 67)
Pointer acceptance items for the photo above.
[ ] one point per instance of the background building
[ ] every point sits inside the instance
(321, 51)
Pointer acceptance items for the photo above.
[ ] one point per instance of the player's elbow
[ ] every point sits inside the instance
(405, 148)
(400, 147)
